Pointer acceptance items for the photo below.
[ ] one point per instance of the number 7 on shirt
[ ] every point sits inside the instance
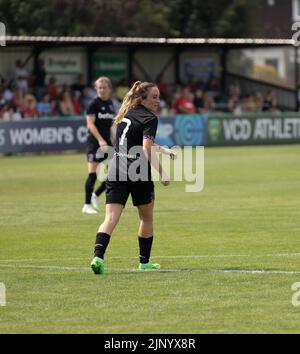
(128, 122)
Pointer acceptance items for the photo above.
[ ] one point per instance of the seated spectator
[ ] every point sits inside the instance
(259, 100)
(184, 103)
(76, 103)
(234, 104)
(209, 103)
(249, 104)
(66, 106)
(15, 114)
(29, 109)
(85, 99)
(45, 107)
(270, 101)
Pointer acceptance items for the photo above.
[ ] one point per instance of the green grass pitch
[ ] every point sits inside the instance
(229, 254)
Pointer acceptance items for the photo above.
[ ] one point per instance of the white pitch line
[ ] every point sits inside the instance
(191, 256)
(25, 266)
(228, 271)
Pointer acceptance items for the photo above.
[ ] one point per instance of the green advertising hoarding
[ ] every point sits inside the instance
(112, 65)
(264, 129)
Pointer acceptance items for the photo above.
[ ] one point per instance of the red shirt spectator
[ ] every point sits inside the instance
(184, 103)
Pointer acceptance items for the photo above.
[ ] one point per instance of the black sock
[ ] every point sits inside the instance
(145, 248)
(89, 187)
(101, 189)
(101, 243)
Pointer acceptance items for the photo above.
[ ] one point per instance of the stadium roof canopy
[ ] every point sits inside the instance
(91, 41)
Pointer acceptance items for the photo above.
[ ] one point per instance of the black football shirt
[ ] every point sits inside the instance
(138, 123)
(104, 117)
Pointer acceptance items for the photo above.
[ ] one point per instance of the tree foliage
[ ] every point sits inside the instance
(166, 18)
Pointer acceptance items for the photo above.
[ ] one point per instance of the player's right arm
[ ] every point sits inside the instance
(90, 120)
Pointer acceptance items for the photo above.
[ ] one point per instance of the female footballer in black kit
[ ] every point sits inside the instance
(99, 116)
(136, 128)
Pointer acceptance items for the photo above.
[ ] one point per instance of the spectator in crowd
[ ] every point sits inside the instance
(249, 104)
(184, 103)
(234, 103)
(85, 99)
(21, 79)
(76, 103)
(39, 77)
(193, 84)
(45, 106)
(52, 88)
(209, 104)
(66, 106)
(78, 85)
(214, 87)
(259, 101)
(199, 101)
(270, 102)
(29, 109)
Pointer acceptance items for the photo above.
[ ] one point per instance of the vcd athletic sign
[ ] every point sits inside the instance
(256, 130)
(36, 136)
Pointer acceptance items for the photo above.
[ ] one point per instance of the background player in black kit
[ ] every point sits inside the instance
(136, 128)
(99, 116)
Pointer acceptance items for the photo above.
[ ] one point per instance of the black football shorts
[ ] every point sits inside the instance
(91, 153)
(117, 192)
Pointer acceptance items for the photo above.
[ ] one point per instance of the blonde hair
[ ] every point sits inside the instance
(137, 93)
(104, 79)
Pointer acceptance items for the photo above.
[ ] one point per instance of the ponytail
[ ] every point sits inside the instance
(134, 97)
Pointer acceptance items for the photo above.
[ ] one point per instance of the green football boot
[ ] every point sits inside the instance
(149, 266)
(97, 265)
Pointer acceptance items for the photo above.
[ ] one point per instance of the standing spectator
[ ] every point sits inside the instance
(52, 88)
(198, 101)
(39, 76)
(78, 85)
(21, 78)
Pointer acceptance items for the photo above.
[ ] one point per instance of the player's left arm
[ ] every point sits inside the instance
(166, 151)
